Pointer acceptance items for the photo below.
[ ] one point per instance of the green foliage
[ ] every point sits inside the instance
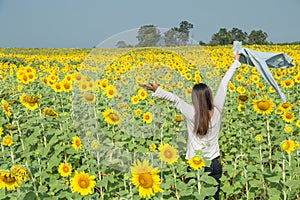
(148, 36)
(251, 169)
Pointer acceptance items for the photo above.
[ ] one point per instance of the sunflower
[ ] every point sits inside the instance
(254, 78)
(242, 98)
(260, 86)
(76, 143)
(179, 118)
(7, 141)
(241, 89)
(288, 117)
(83, 183)
(297, 78)
(65, 169)
(88, 133)
(152, 102)
(263, 106)
(145, 178)
(83, 86)
(152, 147)
(142, 94)
(231, 87)
(241, 106)
(288, 146)
(50, 112)
(271, 89)
(77, 76)
(138, 112)
(112, 116)
(135, 99)
(9, 180)
(20, 171)
(89, 98)
(287, 83)
(240, 78)
(19, 88)
(93, 86)
(298, 123)
(95, 144)
(147, 117)
(286, 106)
(111, 91)
(168, 154)
(288, 129)
(188, 76)
(180, 84)
(258, 138)
(196, 162)
(68, 77)
(57, 87)
(104, 83)
(6, 108)
(67, 85)
(29, 101)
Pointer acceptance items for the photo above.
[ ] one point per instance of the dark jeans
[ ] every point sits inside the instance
(215, 170)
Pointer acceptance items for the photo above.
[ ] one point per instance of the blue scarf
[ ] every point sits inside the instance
(262, 61)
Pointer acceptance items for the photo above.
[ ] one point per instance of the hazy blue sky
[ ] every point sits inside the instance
(86, 23)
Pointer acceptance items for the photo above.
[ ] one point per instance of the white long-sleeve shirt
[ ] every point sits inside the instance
(208, 143)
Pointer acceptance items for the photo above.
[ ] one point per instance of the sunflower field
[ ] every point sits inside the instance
(76, 124)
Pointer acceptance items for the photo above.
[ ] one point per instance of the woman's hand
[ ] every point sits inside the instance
(237, 56)
(151, 86)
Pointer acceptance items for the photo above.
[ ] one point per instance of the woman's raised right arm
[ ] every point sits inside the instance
(219, 99)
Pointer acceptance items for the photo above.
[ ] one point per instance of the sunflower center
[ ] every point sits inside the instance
(83, 183)
(111, 92)
(113, 117)
(288, 116)
(263, 105)
(197, 161)
(89, 97)
(78, 143)
(168, 154)
(145, 180)
(243, 98)
(66, 169)
(285, 105)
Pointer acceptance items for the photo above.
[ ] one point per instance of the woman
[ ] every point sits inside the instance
(203, 119)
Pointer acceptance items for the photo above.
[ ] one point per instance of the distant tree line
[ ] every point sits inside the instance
(150, 35)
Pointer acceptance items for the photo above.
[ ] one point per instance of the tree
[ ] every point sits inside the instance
(237, 35)
(121, 44)
(178, 36)
(148, 35)
(257, 37)
(173, 37)
(220, 38)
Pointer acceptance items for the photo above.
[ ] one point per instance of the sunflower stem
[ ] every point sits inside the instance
(261, 160)
(99, 175)
(198, 182)
(247, 186)
(175, 186)
(20, 134)
(43, 128)
(283, 177)
(34, 182)
(269, 142)
(12, 156)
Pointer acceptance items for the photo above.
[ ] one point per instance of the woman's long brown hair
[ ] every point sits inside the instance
(202, 99)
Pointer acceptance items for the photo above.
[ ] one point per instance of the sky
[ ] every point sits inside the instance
(89, 23)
